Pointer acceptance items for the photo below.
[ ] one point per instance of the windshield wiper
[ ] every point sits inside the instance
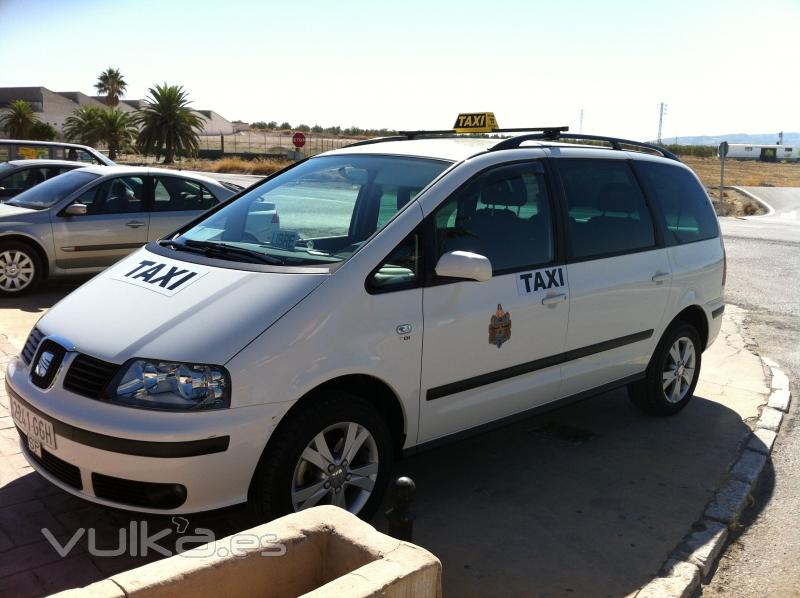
(225, 249)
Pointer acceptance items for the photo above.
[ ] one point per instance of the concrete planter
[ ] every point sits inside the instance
(324, 551)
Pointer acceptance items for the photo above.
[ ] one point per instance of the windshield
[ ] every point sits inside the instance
(319, 212)
(52, 190)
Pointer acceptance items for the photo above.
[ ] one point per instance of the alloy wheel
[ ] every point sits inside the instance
(679, 370)
(16, 270)
(339, 467)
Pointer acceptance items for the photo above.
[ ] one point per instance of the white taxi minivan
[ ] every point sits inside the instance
(416, 288)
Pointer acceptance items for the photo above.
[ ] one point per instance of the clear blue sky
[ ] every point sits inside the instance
(721, 66)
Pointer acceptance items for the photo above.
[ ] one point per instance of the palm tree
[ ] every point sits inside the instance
(168, 125)
(18, 119)
(82, 125)
(117, 129)
(111, 84)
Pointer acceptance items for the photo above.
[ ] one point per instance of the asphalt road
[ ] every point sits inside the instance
(764, 277)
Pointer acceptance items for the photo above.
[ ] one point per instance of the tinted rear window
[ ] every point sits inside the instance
(608, 214)
(682, 200)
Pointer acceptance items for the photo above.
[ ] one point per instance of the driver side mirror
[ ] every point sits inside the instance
(76, 209)
(463, 264)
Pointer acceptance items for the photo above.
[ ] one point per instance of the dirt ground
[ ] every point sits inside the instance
(748, 173)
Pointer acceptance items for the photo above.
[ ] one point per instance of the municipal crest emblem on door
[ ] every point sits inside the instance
(500, 327)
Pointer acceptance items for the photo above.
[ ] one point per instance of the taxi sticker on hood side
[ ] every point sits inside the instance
(162, 276)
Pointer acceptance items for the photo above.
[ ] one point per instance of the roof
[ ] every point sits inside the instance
(143, 170)
(460, 148)
(22, 163)
(442, 148)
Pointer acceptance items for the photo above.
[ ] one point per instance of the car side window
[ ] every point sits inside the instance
(25, 179)
(503, 214)
(682, 201)
(120, 195)
(608, 213)
(173, 194)
(393, 199)
(400, 270)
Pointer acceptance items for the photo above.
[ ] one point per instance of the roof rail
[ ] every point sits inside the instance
(616, 143)
(550, 132)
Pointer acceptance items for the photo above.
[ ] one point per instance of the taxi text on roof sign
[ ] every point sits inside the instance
(475, 122)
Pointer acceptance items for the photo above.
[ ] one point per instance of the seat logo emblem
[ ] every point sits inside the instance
(500, 327)
(43, 365)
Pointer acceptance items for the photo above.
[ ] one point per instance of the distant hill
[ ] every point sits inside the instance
(761, 138)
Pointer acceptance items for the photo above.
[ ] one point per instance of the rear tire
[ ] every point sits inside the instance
(336, 450)
(21, 268)
(672, 373)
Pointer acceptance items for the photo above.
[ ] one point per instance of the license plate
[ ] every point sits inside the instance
(38, 429)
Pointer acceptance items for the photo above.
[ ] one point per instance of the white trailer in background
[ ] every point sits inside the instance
(763, 153)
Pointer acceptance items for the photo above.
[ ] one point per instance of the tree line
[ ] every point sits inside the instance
(334, 131)
(164, 126)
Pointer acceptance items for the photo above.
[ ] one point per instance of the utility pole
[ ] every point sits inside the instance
(580, 127)
(662, 110)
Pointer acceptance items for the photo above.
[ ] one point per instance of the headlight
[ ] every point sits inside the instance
(170, 385)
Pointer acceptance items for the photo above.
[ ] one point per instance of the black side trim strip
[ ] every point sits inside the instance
(718, 312)
(539, 364)
(126, 446)
(103, 247)
(510, 419)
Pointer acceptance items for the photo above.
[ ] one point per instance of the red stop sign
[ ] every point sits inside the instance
(299, 139)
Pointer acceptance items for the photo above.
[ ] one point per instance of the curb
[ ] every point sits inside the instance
(691, 561)
(770, 210)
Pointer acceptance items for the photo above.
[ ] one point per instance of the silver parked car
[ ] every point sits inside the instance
(84, 220)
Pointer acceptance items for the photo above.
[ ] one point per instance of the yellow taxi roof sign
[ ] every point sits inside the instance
(475, 122)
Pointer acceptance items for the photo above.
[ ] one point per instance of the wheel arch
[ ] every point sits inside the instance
(369, 388)
(696, 316)
(35, 244)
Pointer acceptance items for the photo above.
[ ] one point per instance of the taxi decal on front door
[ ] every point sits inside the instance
(539, 280)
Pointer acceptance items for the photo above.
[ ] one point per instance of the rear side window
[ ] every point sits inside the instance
(608, 213)
(172, 194)
(683, 202)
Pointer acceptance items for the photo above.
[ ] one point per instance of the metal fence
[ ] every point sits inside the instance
(269, 143)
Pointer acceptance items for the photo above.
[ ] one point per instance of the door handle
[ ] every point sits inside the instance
(134, 224)
(660, 277)
(553, 299)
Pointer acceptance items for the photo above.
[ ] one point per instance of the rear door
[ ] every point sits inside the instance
(176, 201)
(115, 224)
(619, 273)
(492, 349)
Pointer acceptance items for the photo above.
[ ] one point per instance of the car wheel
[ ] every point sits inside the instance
(21, 269)
(672, 373)
(336, 450)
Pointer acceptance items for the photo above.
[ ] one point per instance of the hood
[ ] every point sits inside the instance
(8, 212)
(161, 308)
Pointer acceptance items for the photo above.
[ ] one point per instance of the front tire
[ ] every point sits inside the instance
(672, 373)
(336, 450)
(21, 268)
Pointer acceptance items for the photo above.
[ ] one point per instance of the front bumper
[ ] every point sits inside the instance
(147, 461)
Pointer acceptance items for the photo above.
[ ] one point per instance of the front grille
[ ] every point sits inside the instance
(88, 376)
(58, 468)
(29, 350)
(140, 494)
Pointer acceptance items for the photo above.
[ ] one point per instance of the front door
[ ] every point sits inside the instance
(115, 224)
(491, 348)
